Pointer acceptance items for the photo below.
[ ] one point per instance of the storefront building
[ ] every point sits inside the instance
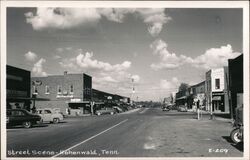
(196, 96)
(235, 67)
(67, 91)
(18, 88)
(72, 94)
(216, 90)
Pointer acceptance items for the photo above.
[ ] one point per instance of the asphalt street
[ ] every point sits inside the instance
(146, 132)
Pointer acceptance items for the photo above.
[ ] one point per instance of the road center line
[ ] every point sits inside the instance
(90, 138)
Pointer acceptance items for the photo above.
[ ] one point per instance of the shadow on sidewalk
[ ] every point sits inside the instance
(239, 146)
(223, 115)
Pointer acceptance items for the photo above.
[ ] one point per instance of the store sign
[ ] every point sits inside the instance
(15, 93)
(75, 100)
(217, 93)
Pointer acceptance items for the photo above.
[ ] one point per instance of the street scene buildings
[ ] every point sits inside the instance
(124, 82)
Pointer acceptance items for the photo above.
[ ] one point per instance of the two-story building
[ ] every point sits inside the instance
(67, 91)
(235, 67)
(216, 90)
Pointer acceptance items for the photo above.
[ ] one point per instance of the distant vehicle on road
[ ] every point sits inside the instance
(182, 108)
(49, 115)
(105, 111)
(21, 117)
(165, 108)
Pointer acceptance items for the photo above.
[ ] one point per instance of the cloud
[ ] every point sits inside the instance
(108, 77)
(86, 61)
(62, 18)
(170, 85)
(30, 56)
(212, 58)
(168, 60)
(65, 18)
(116, 14)
(37, 69)
(215, 57)
(136, 78)
(154, 18)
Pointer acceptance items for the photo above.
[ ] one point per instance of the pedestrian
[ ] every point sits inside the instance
(33, 109)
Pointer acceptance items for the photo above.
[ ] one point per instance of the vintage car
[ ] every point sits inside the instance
(105, 110)
(21, 117)
(182, 108)
(49, 115)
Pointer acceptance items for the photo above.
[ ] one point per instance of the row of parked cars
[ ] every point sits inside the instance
(111, 110)
(180, 108)
(27, 120)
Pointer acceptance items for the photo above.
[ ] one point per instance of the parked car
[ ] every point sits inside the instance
(117, 109)
(21, 117)
(105, 111)
(49, 115)
(182, 108)
(166, 108)
(58, 110)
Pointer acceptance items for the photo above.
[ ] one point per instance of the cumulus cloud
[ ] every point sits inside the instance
(169, 85)
(212, 58)
(86, 61)
(62, 18)
(30, 56)
(65, 18)
(136, 78)
(116, 14)
(106, 76)
(154, 18)
(215, 57)
(37, 69)
(168, 60)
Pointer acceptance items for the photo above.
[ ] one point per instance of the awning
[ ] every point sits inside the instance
(26, 98)
(83, 102)
(183, 97)
(217, 98)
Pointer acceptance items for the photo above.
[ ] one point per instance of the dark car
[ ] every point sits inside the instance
(105, 111)
(21, 117)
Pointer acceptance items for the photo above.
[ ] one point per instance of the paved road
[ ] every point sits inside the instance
(143, 133)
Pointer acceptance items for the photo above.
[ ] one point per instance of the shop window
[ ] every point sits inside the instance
(47, 90)
(217, 83)
(59, 89)
(35, 90)
(71, 89)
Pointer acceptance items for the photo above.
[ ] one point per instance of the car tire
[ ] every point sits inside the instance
(235, 136)
(27, 124)
(56, 120)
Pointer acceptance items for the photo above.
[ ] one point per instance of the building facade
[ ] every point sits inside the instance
(71, 93)
(18, 88)
(235, 67)
(216, 90)
(67, 91)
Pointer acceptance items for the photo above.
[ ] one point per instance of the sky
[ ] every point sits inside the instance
(152, 50)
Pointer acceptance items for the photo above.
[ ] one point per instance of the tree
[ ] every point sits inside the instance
(183, 87)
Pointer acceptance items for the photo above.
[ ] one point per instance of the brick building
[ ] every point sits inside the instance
(71, 92)
(65, 91)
